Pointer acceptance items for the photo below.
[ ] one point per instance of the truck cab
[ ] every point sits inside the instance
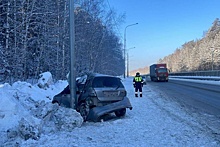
(158, 72)
(162, 74)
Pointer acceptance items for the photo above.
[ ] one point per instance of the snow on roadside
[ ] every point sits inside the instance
(166, 123)
(154, 121)
(26, 112)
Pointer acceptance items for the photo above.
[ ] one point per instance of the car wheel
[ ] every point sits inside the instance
(120, 112)
(84, 110)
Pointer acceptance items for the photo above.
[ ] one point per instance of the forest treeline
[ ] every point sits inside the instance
(34, 38)
(196, 55)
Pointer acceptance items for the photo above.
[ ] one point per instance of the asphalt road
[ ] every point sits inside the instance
(201, 101)
(201, 97)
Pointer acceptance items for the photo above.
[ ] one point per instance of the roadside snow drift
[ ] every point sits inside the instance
(26, 111)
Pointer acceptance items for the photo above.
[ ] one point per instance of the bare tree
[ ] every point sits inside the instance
(34, 37)
(202, 54)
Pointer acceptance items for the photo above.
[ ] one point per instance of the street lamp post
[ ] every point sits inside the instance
(125, 44)
(127, 65)
(128, 61)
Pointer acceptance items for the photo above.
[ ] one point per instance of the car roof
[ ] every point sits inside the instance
(93, 75)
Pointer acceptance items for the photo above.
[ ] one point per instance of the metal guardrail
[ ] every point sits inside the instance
(197, 78)
(213, 75)
(197, 73)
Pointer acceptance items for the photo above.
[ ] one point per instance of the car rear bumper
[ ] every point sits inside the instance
(96, 112)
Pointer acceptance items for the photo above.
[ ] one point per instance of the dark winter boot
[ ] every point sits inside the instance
(136, 95)
(140, 95)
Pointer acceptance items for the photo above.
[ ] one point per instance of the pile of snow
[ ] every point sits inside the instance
(26, 111)
(45, 80)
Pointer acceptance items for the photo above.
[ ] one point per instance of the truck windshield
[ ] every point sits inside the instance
(161, 70)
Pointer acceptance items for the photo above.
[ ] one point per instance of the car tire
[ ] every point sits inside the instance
(84, 110)
(121, 112)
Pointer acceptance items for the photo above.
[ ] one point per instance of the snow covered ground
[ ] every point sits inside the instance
(27, 118)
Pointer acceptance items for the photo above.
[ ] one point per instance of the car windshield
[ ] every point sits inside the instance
(99, 82)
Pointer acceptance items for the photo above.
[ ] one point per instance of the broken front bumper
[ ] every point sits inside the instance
(96, 112)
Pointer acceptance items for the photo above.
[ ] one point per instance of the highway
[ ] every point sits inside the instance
(200, 96)
(201, 101)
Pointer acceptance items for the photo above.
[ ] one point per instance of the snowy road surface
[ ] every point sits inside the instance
(154, 121)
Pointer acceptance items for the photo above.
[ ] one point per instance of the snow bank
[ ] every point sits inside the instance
(45, 80)
(26, 112)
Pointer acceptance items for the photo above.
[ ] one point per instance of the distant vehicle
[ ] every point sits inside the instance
(158, 72)
(97, 95)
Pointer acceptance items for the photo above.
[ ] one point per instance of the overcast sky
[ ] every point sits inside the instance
(163, 26)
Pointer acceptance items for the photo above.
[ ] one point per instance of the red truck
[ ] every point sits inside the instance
(159, 72)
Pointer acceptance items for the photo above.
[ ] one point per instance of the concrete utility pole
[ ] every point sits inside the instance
(72, 78)
(125, 45)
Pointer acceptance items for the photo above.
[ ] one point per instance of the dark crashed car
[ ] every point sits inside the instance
(97, 95)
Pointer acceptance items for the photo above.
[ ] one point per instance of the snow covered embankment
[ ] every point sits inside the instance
(26, 112)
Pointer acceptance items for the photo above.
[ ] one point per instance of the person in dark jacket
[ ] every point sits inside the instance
(138, 84)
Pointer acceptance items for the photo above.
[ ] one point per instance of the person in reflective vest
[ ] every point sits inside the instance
(138, 84)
